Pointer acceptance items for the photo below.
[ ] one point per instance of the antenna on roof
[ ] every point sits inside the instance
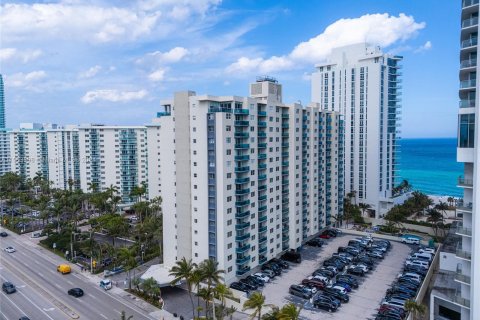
(266, 78)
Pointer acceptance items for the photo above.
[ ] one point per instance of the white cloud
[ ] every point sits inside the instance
(174, 55)
(93, 71)
(157, 75)
(113, 95)
(25, 55)
(25, 80)
(425, 47)
(97, 23)
(379, 29)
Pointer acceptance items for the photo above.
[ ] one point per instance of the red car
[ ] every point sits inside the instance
(325, 236)
(316, 283)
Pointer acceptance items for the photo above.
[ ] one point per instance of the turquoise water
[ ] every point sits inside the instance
(430, 165)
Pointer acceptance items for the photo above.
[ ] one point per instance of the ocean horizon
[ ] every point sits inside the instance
(430, 165)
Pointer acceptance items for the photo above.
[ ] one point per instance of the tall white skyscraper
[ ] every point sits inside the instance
(250, 177)
(364, 85)
(4, 137)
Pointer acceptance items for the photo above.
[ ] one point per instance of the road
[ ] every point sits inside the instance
(42, 292)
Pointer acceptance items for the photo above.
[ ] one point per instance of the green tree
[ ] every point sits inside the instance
(289, 312)
(139, 191)
(364, 207)
(114, 225)
(273, 314)
(417, 310)
(434, 217)
(395, 216)
(210, 274)
(442, 207)
(221, 293)
(183, 270)
(256, 301)
(126, 257)
(123, 316)
(151, 288)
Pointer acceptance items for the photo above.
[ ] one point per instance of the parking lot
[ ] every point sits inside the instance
(363, 301)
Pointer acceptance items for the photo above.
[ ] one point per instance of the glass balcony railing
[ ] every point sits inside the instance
(463, 254)
(465, 182)
(262, 229)
(263, 259)
(262, 198)
(242, 260)
(262, 188)
(261, 251)
(285, 163)
(242, 271)
(285, 116)
(462, 278)
(467, 103)
(262, 219)
(262, 208)
(242, 203)
(471, 83)
(242, 146)
(262, 134)
(242, 169)
(262, 177)
(242, 226)
(262, 166)
(470, 22)
(241, 111)
(241, 123)
(262, 156)
(469, 43)
(245, 157)
(262, 113)
(468, 3)
(241, 135)
(262, 240)
(242, 192)
(242, 180)
(242, 215)
(262, 124)
(242, 237)
(468, 63)
(262, 145)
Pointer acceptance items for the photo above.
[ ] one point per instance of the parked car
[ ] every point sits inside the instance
(257, 280)
(300, 291)
(314, 282)
(269, 273)
(3, 234)
(350, 281)
(315, 242)
(356, 271)
(325, 236)
(331, 299)
(250, 286)
(8, 287)
(292, 256)
(347, 287)
(280, 262)
(410, 240)
(375, 254)
(240, 287)
(262, 276)
(325, 305)
(76, 292)
(336, 293)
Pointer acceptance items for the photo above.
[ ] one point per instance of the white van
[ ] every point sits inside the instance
(419, 263)
(412, 276)
(409, 240)
(422, 256)
(427, 250)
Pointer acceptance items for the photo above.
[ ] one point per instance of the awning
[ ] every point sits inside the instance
(160, 273)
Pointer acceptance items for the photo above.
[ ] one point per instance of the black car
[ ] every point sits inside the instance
(240, 287)
(324, 272)
(258, 281)
(335, 264)
(8, 287)
(300, 291)
(292, 256)
(249, 284)
(352, 282)
(330, 299)
(274, 268)
(325, 305)
(281, 263)
(3, 234)
(24, 318)
(400, 289)
(356, 271)
(76, 292)
(315, 242)
(337, 294)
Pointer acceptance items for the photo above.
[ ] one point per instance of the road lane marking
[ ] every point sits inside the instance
(58, 286)
(40, 274)
(48, 309)
(103, 316)
(70, 282)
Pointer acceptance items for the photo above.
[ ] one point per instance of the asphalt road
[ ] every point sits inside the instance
(42, 292)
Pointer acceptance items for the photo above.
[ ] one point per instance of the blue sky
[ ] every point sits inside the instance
(112, 62)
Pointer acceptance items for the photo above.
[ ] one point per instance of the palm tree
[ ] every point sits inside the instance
(416, 309)
(222, 292)
(290, 312)
(364, 207)
(183, 270)
(207, 295)
(123, 316)
(151, 288)
(255, 302)
(196, 278)
(434, 217)
(126, 256)
(273, 314)
(442, 207)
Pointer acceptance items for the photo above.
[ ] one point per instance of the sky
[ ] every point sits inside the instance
(112, 62)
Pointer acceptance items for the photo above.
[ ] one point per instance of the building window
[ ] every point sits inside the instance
(466, 130)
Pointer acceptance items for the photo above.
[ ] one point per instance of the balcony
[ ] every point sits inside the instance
(242, 237)
(242, 271)
(245, 157)
(262, 156)
(285, 239)
(457, 298)
(469, 22)
(262, 240)
(469, 63)
(243, 260)
(462, 278)
(262, 229)
(463, 254)
(285, 116)
(262, 145)
(242, 169)
(284, 145)
(242, 203)
(262, 124)
(262, 250)
(462, 182)
(285, 126)
(242, 180)
(469, 3)
(242, 146)
(242, 135)
(262, 177)
(262, 113)
(262, 260)
(262, 198)
(262, 166)
(468, 84)
(262, 208)
(285, 181)
(462, 231)
(469, 43)
(262, 188)
(285, 154)
(467, 103)
(242, 249)
(285, 163)
(241, 111)
(242, 192)
(262, 134)
(262, 219)
(241, 123)
(242, 215)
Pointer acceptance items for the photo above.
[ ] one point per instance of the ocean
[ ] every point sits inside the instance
(430, 165)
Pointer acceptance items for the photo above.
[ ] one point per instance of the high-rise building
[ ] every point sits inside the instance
(113, 156)
(2, 104)
(49, 150)
(250, 177)
(364, 85)
(457, 287)
(4, 136)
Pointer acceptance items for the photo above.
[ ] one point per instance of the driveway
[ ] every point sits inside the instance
(363, 301)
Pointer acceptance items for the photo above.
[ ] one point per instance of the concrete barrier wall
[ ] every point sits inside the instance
(422, 229)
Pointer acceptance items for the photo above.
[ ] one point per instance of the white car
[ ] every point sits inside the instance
(262, 276)
(340, 289)
(10, 249)
(427, 250)
(410, 241)
(362, 266)
(319, 278)
(313, 290)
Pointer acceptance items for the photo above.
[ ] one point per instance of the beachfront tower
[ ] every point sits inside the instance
(457, 284)
(364, 85)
